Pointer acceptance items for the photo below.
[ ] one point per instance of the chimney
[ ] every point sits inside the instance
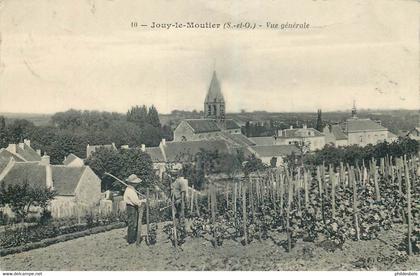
(27, 142)
(143, 147)
(38, 151)
(291, 127)
(48, 176)
(45, 160)
(164, 141)
(113, 145)
(125, 147)
(21, 145)
(11, 148)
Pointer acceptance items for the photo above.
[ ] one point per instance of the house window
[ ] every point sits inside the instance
(209, 110)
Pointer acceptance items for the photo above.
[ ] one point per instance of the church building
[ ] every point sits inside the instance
(214, 125)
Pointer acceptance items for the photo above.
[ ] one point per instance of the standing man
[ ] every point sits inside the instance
(178, 190)
(134, 208)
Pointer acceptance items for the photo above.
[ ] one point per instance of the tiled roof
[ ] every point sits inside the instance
(28, 153)
(338, 132)
(214, 93)
(26, 172)
(238, 139)
(357, 125)
(155, 154)
(65, 179)
(70, 158)
(203, 125)
(231, 124)
(263, 141)
(186, 151)
(275, 150)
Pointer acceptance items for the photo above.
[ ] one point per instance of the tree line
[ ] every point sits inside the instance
(72, 130)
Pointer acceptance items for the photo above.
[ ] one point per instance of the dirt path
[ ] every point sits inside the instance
(109, 251)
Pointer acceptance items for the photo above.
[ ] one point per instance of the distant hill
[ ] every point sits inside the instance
(37, 119)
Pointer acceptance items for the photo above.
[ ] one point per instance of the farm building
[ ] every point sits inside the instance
(334, 135)
(21, 152)
(91, 149)
(73, 160)
(279, 152)
(77, 187)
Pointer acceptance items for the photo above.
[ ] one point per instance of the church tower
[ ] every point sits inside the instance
(214, 104)
(354, 110)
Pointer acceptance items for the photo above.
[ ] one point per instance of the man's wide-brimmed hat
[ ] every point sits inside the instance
(133, 179)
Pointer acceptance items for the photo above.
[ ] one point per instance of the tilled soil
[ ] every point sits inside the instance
(109, 251)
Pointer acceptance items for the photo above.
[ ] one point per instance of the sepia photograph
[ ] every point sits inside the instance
(226, 135)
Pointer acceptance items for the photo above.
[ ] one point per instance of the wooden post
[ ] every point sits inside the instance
(244, 212)
(407, 181)
(305, 183)
(196, 205)
(375, 179)
(332, 180)
(356, 217)
(174, 221)
(281, 193)
(289, 201)
(147, 216)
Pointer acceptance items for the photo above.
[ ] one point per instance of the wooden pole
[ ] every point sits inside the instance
(244, 213)
(305, 183)
(174, 222)
(375, 179)
(356, 217)
(407, 181)
(147, 217)
(332, 180)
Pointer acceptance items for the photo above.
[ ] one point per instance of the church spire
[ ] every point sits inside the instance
(354, 110)
(214, 103)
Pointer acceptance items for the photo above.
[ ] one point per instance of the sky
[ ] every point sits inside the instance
(83, 54)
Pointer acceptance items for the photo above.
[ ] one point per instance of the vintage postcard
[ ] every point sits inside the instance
(209, 135)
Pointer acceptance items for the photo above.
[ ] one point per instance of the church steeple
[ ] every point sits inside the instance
(354, 110)
(214, 104)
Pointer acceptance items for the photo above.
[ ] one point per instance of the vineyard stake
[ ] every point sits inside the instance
(244, 220)
(332, 179)
(356, 220)
(407, 180)
(147, 217)
(175, 236)
(375, 178)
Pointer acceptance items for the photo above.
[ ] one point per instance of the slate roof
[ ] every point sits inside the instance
(338, 132)
(70, 158)
(186, 151)
(155, 154)
(203, 125)
(275, 150)
(26, 172)
(66, 179)
(28, 153)
(263, 141)
(214, 93)
(359, 125)
(6, 155)
(231, 124)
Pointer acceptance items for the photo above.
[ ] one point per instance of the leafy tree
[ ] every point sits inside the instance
(22, 196)
(138, 115)
(153, 117)
(319, 123)
(122, 164)
(253, 164)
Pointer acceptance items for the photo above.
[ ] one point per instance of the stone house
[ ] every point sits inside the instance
(78, 188)
(266, 153)
(334, 135)
(73, 160)
(307, 136)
